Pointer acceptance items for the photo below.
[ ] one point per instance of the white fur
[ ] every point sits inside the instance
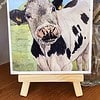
(69, 17)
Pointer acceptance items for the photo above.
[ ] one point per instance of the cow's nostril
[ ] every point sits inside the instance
(40, 33)
(43, 32)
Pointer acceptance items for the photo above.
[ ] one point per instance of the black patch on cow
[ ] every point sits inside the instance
(79, 27)
(78, 44)
(71, 3)
(58, 47)
(80, 39)
(76, 47)
(84, 18)
(74, 29)
(68, 53)
(35, 49)
(57, 3)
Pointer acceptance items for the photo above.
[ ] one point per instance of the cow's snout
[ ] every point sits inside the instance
(48, 33)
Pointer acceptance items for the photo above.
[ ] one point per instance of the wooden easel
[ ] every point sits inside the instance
(74, 78)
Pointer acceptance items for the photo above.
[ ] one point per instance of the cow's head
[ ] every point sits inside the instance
(42, 19)
(41, 16)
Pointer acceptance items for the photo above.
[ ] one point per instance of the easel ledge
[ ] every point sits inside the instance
(74, 78)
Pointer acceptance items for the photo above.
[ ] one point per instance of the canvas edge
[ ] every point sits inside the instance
(9, 37)
(52, 72)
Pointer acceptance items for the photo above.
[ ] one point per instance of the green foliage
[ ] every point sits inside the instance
(21, 46)
(74, 66)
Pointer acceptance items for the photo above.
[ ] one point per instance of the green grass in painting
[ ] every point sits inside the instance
(21, 41)
(74, 66)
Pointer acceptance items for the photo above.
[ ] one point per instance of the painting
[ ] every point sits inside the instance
(50, 36)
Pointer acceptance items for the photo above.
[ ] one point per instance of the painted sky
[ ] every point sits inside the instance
(66, 1)
(14, 4)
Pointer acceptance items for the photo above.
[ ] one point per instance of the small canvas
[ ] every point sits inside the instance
(50, 36)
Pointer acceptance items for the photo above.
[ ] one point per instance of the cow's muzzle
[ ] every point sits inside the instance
(48, 33)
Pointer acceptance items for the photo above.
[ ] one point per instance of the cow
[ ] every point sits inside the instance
(18, 16)
(59, 36)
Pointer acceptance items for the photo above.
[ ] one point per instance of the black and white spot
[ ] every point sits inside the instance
(60, 48)
(35, 49)
(84, 18)
(77, 32)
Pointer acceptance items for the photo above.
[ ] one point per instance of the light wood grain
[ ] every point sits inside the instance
(25, 89)
(51, 78)
(77, 88)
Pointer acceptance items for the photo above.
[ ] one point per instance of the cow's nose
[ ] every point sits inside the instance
(47, 32)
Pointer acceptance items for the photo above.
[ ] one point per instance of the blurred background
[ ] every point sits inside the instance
(4, 50)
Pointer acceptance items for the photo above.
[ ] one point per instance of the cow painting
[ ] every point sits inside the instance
(60, 36)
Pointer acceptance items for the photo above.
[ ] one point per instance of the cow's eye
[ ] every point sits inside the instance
(28, 16)
(53, 9)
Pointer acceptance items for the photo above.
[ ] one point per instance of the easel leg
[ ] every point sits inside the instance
(25, 88)
(78, 89)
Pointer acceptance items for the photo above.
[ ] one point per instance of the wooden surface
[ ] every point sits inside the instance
(10, 89)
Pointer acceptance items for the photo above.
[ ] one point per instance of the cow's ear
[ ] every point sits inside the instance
(18, 16)
(71, 3)
(57, 4)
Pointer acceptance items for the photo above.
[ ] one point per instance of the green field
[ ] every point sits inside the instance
(21, 41)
